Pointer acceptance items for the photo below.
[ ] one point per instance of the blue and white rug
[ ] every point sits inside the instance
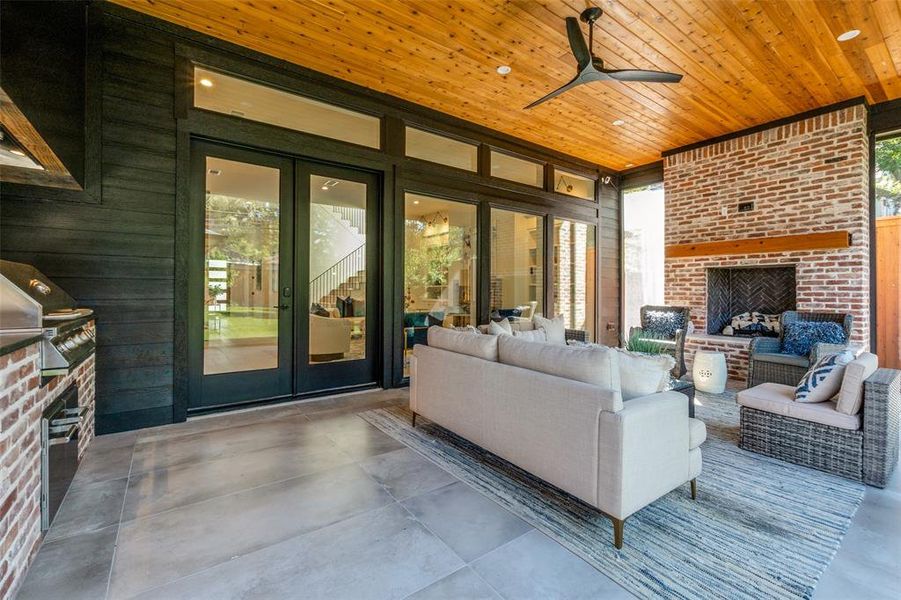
(760, 528)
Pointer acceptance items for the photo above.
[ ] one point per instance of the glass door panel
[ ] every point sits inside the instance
(440, 267)
(517, 264)
(337, 269)
(241, 267)
(575, 265)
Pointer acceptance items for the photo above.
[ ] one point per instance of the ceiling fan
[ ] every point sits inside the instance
(591, 68)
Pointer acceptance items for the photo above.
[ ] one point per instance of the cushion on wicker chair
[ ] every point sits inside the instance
(800, 336)
(780, 400)
(850, 398)
(824, 379)
(663, 323)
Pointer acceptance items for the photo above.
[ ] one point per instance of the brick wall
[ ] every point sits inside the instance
(805, 177)
(22, 401)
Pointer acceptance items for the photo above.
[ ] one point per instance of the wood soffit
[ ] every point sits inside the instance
(745, 62)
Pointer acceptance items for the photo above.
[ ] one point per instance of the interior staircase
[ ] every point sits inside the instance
(347, 277)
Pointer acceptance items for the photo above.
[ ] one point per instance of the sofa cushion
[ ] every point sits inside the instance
(850, 397)
(535, 335)
(555, 328)
(780, 400)
(501, 327)
(480, 346)
(801, 336)
(783, 359)
(824, 379)
(643, 374)
(597, 365)
(697, 433)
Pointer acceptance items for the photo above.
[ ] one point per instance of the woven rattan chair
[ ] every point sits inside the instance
(673, 345)
(868, 454)
(767, 363)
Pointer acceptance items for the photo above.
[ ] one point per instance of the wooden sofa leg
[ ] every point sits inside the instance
(414, 419)
(618, 532)
(694, 489)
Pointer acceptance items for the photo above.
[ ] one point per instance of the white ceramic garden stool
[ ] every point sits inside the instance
(709, 371)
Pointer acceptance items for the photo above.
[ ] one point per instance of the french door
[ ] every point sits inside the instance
(283, 277)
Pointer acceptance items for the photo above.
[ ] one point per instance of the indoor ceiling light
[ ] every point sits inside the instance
(206, 82)
(325, 187)
(17, 152)
(416, 202)
(619, 122)
(848, 35)
(504, 70)
(630, 165)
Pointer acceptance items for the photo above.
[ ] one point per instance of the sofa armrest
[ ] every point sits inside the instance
(643, 452)
(881, 424)
(765, 345)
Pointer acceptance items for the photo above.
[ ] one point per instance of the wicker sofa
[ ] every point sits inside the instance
(672, 343)
(862, 447)
(767, 363)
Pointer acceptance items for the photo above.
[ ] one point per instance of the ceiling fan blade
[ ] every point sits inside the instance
(577, 42)
(647, 76)
(575, 82)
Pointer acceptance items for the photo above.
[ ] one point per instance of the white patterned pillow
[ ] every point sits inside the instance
(532, 335)
(554, 328)
(824, 379)
(501, 327)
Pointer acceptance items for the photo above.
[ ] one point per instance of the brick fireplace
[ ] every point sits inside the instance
(810, 176)
(770, 290)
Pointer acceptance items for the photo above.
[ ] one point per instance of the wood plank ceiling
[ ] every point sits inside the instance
(745, 62)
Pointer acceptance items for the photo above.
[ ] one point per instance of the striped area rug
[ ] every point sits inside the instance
(760, 528)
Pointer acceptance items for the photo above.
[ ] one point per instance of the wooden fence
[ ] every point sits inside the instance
(888, 291)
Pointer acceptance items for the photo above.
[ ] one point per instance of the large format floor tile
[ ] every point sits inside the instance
(405, 474)
(459, 585)
(382, 554)
(157, 549)
(89, 507)
(533, 566)
(102, 463)
(71, 568)
(162, 489)
(467, 521)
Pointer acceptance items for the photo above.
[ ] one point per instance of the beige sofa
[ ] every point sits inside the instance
(556, 412)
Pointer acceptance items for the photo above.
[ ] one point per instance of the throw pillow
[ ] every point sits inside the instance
(824, 379)
(318, 310)
(801, 336)
(850, 398)
(534, 335)
(643, 374)
(500, 328)
(468, 329)
(663, 323)
(554, 328)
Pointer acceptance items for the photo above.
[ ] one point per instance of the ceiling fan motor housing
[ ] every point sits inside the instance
(590, 15)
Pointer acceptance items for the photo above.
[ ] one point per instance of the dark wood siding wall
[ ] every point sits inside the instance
(116, 253)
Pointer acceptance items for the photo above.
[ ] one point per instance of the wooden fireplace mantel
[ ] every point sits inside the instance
(782, 243)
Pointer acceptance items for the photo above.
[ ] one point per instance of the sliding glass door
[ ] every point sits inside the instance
(440, 267)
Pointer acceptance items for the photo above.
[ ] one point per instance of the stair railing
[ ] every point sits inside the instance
(355, 216)
(325, 286)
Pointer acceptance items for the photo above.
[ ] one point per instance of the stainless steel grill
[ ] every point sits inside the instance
(31, 303)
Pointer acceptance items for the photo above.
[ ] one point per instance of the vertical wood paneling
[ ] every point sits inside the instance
(888, 291)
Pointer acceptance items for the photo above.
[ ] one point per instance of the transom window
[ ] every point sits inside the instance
(512, 168)
(440, 149)
(571, 184)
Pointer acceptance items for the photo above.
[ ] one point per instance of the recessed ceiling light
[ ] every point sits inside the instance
(848, 35)
(206, 82)
(630, 165)
(416, 202)
(619, 122)
(504, 70)
(17, 152)
(325, 187)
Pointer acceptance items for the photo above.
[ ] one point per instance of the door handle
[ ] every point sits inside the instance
(282, 306)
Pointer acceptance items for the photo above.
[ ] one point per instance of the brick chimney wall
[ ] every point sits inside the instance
(805, 177)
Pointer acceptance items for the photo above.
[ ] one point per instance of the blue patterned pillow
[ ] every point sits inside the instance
(800, 336)
(663, 324)
(824, 379)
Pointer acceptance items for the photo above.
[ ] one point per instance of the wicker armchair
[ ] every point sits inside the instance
(868, 454)
(767, 363)
(673, 345)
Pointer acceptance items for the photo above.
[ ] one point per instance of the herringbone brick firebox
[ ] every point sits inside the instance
(805, 177)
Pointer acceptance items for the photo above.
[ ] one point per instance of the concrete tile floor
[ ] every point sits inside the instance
(308, 500)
